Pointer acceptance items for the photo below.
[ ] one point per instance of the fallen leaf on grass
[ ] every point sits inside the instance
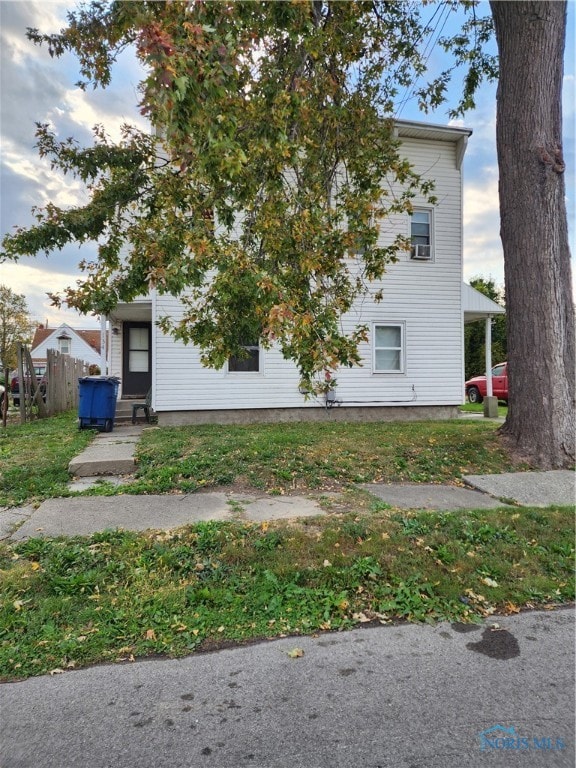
(150, 634)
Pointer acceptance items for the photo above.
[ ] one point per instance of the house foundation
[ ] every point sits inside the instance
(334, 414)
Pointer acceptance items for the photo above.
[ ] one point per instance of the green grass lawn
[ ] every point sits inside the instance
(34, 458)
(68, 602)
(288, 458)
(276, 458)
(120, 595)
(479, 408)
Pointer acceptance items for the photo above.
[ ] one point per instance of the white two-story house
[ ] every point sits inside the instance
(412, 364)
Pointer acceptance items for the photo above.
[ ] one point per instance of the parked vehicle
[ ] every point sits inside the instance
(476, 388)
(40, 372)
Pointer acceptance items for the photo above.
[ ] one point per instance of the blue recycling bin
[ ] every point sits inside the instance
(97, 402)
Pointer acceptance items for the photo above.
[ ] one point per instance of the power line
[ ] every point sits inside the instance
(410, 90)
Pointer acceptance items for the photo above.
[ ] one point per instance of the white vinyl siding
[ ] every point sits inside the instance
(77, 347)
(422, 298)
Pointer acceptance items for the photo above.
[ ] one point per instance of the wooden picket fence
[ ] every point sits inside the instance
(62, 374)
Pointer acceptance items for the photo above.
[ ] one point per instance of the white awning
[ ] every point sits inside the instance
(477, 306)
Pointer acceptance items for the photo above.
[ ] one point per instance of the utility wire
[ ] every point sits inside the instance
(409, 92)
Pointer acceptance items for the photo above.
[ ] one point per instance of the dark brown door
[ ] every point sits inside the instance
(137, 359)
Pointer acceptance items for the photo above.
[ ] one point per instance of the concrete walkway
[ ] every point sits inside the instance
(84, 515)
(110, 453)
(110, 458)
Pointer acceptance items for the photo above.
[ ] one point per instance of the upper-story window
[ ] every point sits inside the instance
(249, 363)
(64, 343)
(421, 234)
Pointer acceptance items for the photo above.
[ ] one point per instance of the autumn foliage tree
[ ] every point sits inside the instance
(261, 188)
(274, 167)
(16, 326)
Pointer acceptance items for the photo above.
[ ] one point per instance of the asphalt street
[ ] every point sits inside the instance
(407, 696)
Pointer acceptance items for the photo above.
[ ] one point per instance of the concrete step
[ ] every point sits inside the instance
(124, 406)
(109, 454)
(124, 412)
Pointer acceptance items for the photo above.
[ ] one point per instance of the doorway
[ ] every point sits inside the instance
(137, 359)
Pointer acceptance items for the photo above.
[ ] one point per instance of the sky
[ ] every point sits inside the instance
(35, 88)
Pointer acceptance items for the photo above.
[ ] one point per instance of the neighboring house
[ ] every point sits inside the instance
(79, 344)
(413, 362)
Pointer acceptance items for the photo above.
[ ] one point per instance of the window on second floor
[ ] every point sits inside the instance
(421, 234)
(64, 343)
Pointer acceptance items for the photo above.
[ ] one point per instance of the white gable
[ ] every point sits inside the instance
(79, 348)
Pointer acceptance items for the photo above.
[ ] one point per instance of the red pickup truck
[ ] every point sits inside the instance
(476, 387)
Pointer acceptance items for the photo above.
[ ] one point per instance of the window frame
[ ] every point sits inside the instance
(402, 348)
(249, 347)
(65, 345)
(430, 213)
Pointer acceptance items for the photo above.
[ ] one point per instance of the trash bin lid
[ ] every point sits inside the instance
(113, 379)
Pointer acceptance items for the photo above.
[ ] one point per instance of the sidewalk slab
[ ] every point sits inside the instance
(85, 515)
(11, 517)
(537, 489)
(85, 482)
(430, 497)
(108, 454)
(275, 507)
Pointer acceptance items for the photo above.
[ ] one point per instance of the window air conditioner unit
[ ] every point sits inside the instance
(421, 252)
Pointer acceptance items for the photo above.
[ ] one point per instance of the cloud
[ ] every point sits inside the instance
(34, 87)
(31, 281)
(482, 246)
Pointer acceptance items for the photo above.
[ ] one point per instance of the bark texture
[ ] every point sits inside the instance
(541, 419)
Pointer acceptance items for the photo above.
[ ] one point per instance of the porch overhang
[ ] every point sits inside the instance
(135, 311)
(477, 306)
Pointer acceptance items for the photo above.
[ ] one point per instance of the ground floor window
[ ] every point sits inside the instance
(248, 363)
(388, 348)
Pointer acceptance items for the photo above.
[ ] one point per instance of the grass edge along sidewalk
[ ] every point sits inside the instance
(117, 596)
(274, 458)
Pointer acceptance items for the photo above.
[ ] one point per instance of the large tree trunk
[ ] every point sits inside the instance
(541, 419)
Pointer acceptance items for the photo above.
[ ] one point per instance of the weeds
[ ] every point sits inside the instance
(290, 457)
(120, 595)
(34, 458)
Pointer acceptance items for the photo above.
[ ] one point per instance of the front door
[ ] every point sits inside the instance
(137, 359)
